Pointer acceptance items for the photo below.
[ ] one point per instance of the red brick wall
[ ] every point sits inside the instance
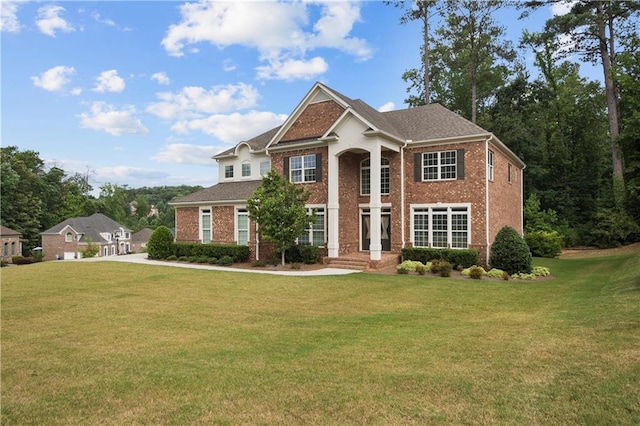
(187, 224)
(318, 189)
(223, 223)
(504, 198)
(55, 245)
(314, 121)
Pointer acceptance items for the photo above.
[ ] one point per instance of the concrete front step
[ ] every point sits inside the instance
(361, 262)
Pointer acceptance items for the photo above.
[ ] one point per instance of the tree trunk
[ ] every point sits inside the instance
(283, 250)
(474, 95)
(612, 100)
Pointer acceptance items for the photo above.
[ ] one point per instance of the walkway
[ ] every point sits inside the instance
(141, 258)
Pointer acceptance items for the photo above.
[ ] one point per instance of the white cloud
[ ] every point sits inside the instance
(109, 81)
(9, 15)
(280, 31)
(234, 127)
(291, 69)
(229, 65)
(389, 106)
(54, 79)
(49, 20)
(106, 118)
(161, 78)
(183, 153)
(76, 91)
(193, 101)
(96, 17)
(563, 7)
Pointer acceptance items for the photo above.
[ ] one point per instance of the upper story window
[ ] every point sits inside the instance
(365, 177)
(303, 168)
(265, 166)
(68, 237)
(509, 178)
(246, 169)
(228, 172)
(490, 164)
(6, 249)
(440, 165)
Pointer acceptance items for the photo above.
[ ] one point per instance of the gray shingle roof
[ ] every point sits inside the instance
(90, 226)
(8, 232)
(258, 143)
(225, 191)
(141, 236)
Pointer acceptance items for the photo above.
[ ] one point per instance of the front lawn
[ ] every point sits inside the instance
(115, 343)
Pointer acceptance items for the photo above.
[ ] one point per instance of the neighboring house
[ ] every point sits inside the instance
(379, 181)
(140, 239)
(11, 243)
(67, 239)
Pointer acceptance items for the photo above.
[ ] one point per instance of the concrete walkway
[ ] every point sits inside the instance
(141, 258)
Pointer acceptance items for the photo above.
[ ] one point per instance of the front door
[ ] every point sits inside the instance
(385, 232)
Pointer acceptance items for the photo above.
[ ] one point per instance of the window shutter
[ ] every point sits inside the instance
(318, 167)
(460, 163)
(417, 167)
(285, 168)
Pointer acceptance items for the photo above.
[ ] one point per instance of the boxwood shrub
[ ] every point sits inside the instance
(236, 252)
(464, 258)
(302, 254)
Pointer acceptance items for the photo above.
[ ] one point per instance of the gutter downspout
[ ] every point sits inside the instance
(402, 195)
(486, 194)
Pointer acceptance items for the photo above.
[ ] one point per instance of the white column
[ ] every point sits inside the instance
(333, 210)
(375, 204)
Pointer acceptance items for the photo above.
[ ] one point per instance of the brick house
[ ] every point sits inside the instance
(67, 239)
(11, 243)
(379, 181)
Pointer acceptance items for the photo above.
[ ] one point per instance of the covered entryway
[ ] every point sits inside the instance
(385, 229)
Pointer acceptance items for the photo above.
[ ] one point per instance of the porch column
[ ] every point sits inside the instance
(333, 236)
(375, 205)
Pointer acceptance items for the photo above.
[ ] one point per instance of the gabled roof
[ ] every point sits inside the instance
(88, 226)
(8, 232)
(221, 192)
(258, 143)
(142, 235)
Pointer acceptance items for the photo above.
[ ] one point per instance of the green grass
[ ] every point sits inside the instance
(113, 343)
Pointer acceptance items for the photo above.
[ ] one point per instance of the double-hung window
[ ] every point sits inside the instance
(265, 166)
(314, 234)
(365, 177)
(68, 237)
(441, 226)
(440, 165)
(246, 169)
(242, 227)
(228, 171)
(303, 168)
(205, 220)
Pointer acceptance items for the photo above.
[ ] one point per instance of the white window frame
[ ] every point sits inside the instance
(303, 169)
(228, 171)
(68, 237)
(490, 164)
(385, 177)
(245, 169)
(444, 170)
(265, 166)
(310, 231)
(450, 210)
(205, 211)
(242, 212)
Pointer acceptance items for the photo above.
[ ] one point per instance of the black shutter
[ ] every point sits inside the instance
(417, 167)
(318, 167)
(460, 163)
(285, 168)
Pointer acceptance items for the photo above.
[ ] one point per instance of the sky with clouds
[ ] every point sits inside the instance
(145, 93)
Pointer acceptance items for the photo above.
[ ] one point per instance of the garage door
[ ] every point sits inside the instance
(69, 255)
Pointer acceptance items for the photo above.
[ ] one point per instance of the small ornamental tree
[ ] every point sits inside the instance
(278, 207)
(510, 252)
(160, 243)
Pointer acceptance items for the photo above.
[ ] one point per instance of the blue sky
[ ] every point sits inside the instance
(144, 93)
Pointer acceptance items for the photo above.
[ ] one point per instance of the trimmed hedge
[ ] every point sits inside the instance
(464, 258)
(302, 254)
(236, 252)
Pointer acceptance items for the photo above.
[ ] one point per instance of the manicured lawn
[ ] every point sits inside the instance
(114, 343)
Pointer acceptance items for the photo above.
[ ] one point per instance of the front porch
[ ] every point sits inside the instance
(362, 261)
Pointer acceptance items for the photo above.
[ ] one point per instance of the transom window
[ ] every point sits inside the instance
(314, 234)
(365, 177)
(441, 227)
(246, 169)
(228, 172)
(303, 168)
(439, 165)
(242, 227)
(205, 218)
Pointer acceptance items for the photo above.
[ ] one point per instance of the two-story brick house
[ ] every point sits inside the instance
(379, 181)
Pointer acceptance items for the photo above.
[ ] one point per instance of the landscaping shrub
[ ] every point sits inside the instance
(24, 261)
(160, 244)
(236, 252)
(523, 276)
(445, 269)
(14, 259)
(464, 258)
(476, 272)
(301, 254)
(495, 273)
(212, 261)
(296, 265)
(3, 263)
(544, 244)
(225, 261)
(467, 271)
(172, 257)
(541, 271)
(408, 266)
(259, 264)
(510, 252)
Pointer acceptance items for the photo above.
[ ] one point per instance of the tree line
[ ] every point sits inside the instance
(579, 138)
(33, 198)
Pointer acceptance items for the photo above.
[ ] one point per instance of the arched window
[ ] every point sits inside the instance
(68, 237)
(365, 177)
